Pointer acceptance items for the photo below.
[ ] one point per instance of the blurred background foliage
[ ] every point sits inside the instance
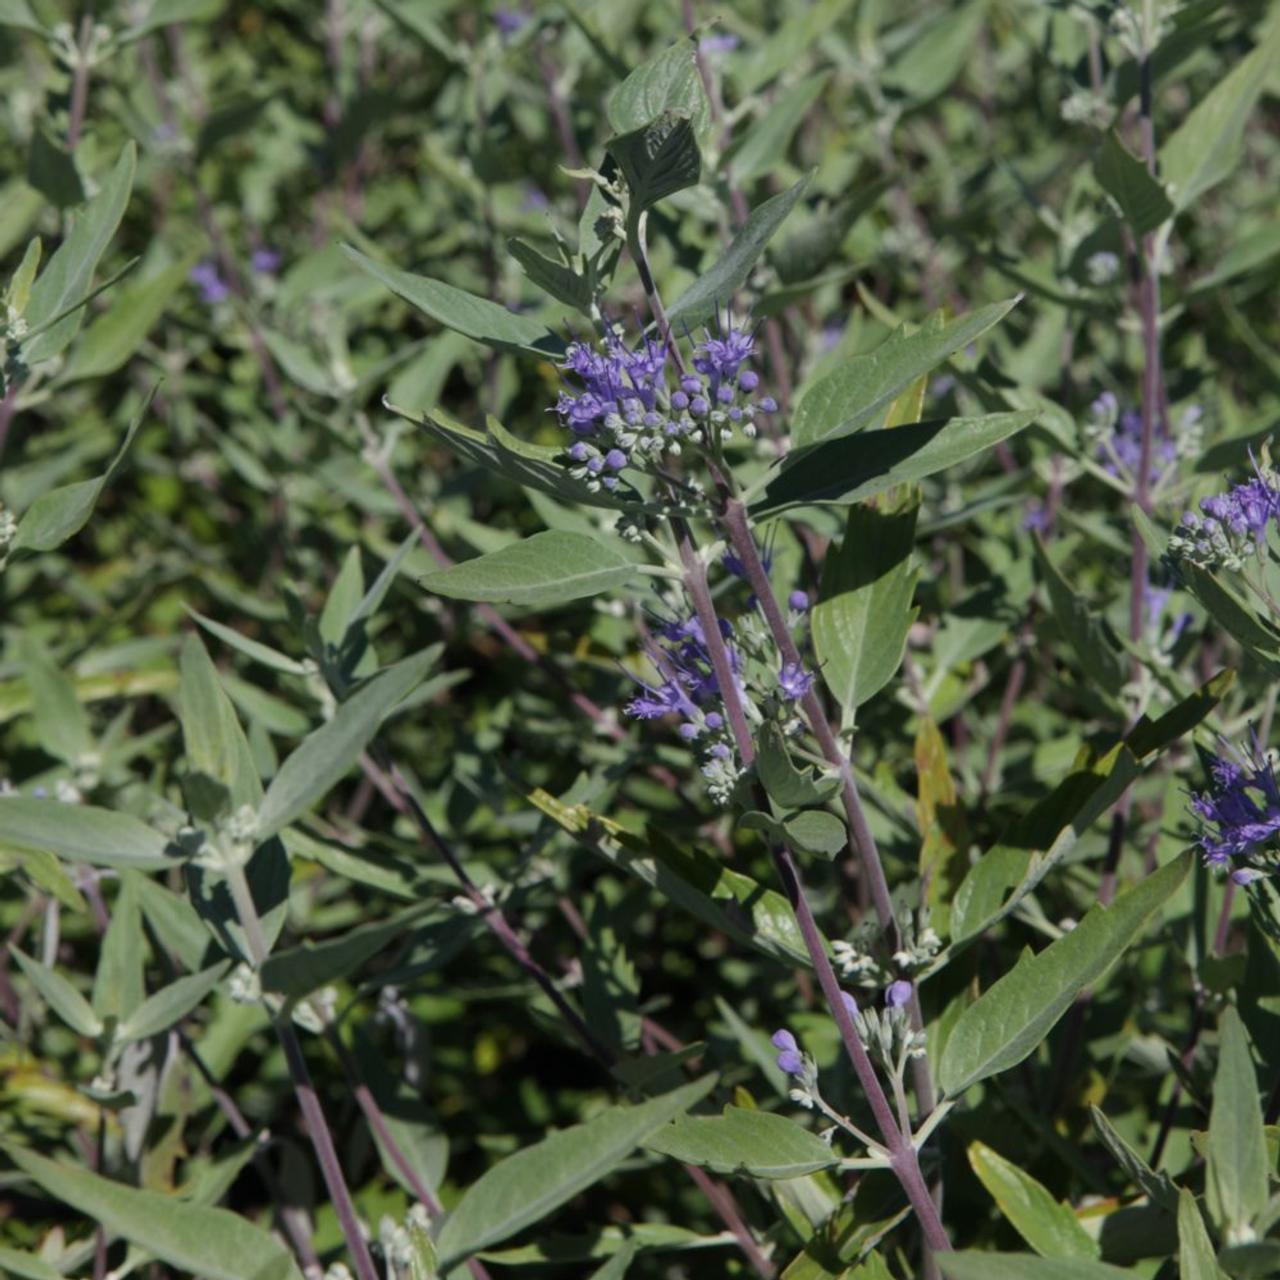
(954, 151)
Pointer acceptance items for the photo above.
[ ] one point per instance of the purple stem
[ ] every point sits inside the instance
(368, 1104)
(79, 83)
(904, 1160)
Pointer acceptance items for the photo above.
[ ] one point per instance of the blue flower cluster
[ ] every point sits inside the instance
(1240, 815)
(627, 414)
(1231, 527)
(1119, 441)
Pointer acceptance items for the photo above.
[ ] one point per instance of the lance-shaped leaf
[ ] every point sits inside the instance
(724, 899)
(562, 282)
(171, 1004)
(55, 516)
(1005, 874)
(525, 1187)
(547, 569)
(843, 471)
(61, 723)
(215, 742)
(716, 286)
(532, 466)
(1086, 633)
(82, 833)
(59, 995)
(1208, 144)
(311, 965)
(741, 1140)
(327, 754)
(1048, 1226)
(1237, 1166)
(1125, 179)
(1006, 1023)
(189, 1237)
(1158, 1187)
(1196, 1259)
(858, 394)
(66, 281)
(456, 309)
(765, 144)
(860, 622)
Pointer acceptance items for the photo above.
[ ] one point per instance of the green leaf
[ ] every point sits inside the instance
(721, 898)
(311, 965)
(858, 393)
(171, 1004)
(1049, 1227)
(657, 160)
(817, 831)
(215, 742)
(213, 1243)
(755, 1143)
(561, 282)
(330, 752)
(860, 623)
(764, 146)
(977, 1265)
(58, 993)
(937, 53)
(18, 13)
(118, 333)
(1006, 1023)
(1208, 144)
(842, 471)
(1086, 633)
(1237, 1164)
(52, 171)
(667, 82)
(529, 465)
(61, 723)
(1196, 1259)
(62, 512)
(82, 833)
(525, 1187)
(617, 1266)
(476, 318)
(343, 599)
(547, 569)
(1125, 179)
(262, 653)
(12, 1262)
(786, 785)
(716, 286)
(1157, 1186)
(67, 279)
(118, 984)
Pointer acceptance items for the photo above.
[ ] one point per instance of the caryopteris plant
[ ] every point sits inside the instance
(639, 642)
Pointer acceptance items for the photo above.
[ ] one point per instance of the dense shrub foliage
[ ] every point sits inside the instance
(639, 639)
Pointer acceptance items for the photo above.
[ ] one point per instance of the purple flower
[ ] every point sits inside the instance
(725, 43)
(615, 381)
(790, 1059)
(535, 200)
(794, 681)
(213, 289)
(1126, 443)
(798, 600)
(509, 21)
(266, 262)
(1240, 812)
(721, 358)
(898, 994)
(688, 681)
